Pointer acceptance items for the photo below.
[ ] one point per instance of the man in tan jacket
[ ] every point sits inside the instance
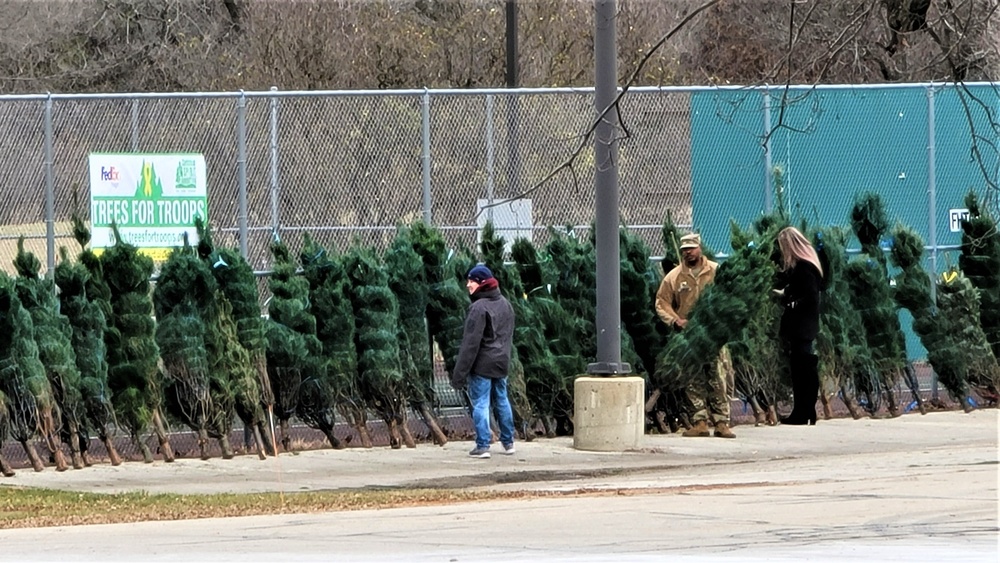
(679, 291)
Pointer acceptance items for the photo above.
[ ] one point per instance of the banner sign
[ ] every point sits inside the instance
(153, 199)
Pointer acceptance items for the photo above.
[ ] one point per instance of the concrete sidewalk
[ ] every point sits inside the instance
(915, 488)
(547, 462)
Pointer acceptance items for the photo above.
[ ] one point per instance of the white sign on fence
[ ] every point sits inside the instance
(153, 199)
(955, 218)
(512, 219)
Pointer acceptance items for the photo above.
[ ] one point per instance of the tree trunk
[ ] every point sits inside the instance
(286, 440)
(651, 401)
(405, 430)
(395, 440)
(914, 385)
(5, 468)
(259, 442)
(109, 445)
(432, 424)
(76, 452)
(334, 442)
(263, 431)
(203, 444)
(891, 404)
(356, 418)
(161, 435)
(147, 456)
(36, 462)
(225, 446)
(52, 439)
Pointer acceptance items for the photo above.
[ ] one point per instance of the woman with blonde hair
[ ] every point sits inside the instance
(803, 274)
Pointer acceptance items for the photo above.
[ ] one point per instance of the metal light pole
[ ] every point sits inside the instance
(513, 160)
(606, 185)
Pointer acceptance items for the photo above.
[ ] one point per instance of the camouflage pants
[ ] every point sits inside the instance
(708, 394)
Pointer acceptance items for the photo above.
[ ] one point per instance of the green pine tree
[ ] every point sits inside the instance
(245, 358)
(330, 299)
(840, 344)
(182, 299)
(86, 315)
(133, 374)
(52, 333)
(980, 262)
(718, 317)
(965, 355)
(546, 340)
(408, 281)
(31, 405)
(294, 352)
(868, 279)
(377, 341)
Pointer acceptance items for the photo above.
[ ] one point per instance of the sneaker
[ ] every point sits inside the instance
(481, 453)
(508, 449)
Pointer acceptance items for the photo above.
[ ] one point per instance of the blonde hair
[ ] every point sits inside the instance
(796, 247)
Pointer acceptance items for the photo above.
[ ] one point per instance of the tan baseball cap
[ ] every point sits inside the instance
(692, 240)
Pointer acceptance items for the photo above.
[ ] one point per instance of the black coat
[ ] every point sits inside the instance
(487, 339)
(800, 318)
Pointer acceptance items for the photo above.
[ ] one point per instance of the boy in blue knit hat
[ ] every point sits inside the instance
(484, 359)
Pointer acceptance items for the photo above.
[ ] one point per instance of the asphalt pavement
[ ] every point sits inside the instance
(914, 488)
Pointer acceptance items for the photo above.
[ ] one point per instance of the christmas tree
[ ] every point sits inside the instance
(184, 294)
(546, 339)
(718, 317)
(408, 281)
(840, 344)
(868, 280)
(86, 314)
(980, 262)
(52, 333)
(30, 403)
(966, 350)
(294, 353)
(316, 399)
(5, 468)
(330, 299)
(133, 374)
(376, 340)
(448, 298)
(238, 285)
(760, 369)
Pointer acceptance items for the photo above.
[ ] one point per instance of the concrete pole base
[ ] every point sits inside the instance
(608, 413)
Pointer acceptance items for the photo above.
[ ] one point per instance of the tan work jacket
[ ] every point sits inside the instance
(680, 290)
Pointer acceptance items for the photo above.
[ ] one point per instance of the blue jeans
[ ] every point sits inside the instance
(480, 391)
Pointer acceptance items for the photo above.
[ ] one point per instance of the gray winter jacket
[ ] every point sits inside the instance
(487, 338)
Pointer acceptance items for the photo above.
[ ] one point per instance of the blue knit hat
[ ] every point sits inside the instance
(479, 273)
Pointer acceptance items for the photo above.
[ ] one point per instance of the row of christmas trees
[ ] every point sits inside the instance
(351, 334)
(861, 342)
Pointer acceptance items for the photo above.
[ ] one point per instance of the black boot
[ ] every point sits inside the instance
(805, 386)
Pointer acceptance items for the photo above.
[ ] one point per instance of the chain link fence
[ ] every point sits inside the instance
(348, 167)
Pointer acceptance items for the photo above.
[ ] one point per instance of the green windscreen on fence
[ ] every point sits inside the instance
(831, 143)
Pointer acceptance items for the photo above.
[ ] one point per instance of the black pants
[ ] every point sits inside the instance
(804, 368)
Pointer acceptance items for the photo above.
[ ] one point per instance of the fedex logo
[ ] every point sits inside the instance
(110, 174)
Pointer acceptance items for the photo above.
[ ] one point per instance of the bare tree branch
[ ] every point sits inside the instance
(586, 137)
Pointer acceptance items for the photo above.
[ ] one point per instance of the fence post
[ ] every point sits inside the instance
(426, 156)
(135, 124)
(50, 192)
(932, 212)
(768, 202)
(241, 169)
(489, 157)
(275, 219)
